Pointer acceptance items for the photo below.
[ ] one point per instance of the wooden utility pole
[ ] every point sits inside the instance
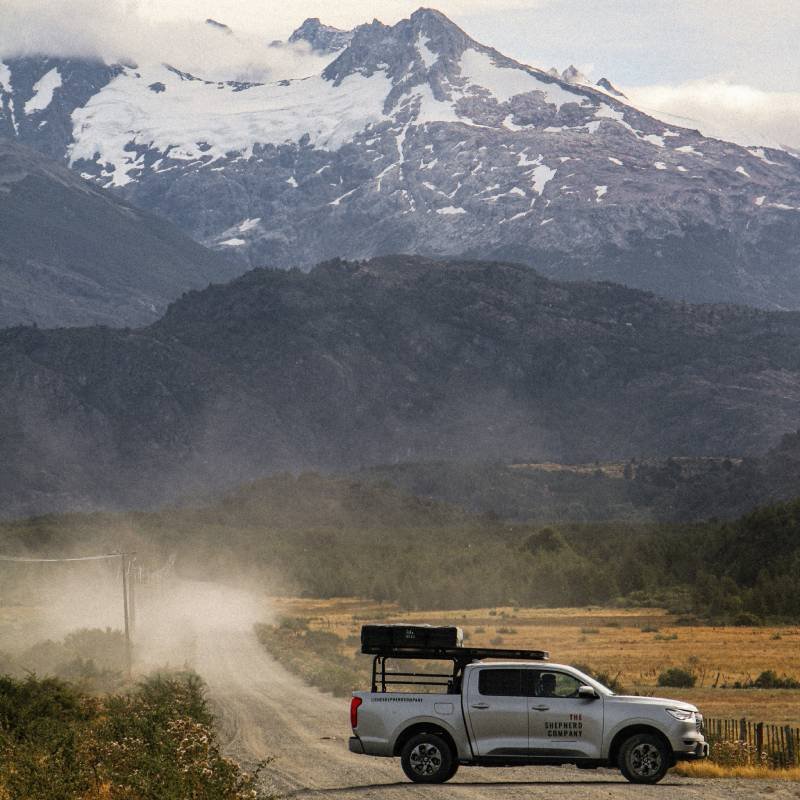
(127, 588)
(128, 652)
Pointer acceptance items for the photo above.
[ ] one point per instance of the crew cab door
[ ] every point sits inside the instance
(496, 706)
(561, 723)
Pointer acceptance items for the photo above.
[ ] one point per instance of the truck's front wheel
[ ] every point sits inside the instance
(643, 758)
(428, 758)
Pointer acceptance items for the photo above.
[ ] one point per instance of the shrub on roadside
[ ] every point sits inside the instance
(677, 678)
(155, 743)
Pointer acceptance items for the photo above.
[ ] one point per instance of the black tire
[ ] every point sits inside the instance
(428, 758)
(644, 758)
(453, 769)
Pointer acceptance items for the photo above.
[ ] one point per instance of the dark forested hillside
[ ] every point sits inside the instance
(73, 254)
(672, 489)
(338, 537)
(398, 358)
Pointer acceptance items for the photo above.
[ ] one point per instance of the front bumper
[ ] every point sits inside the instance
(356, 746)
(699, 751)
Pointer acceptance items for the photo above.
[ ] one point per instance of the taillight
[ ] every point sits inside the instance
(354, 704)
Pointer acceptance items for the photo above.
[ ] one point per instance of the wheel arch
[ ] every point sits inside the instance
(425, 727)
(631, 730)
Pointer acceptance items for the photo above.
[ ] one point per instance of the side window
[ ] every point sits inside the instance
(500, 682)
(557, 684)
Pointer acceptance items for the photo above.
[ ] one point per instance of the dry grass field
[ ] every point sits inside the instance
(635, 644)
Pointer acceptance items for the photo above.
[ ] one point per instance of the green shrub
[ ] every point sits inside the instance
(677, 678)
(155, 743)
(745, 619)
(769, 679)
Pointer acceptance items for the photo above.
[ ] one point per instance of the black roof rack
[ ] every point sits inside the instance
(460, 656)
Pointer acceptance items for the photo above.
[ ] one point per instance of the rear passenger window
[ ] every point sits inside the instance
(500, 682)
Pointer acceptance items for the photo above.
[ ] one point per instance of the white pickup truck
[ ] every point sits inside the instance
(521, 710)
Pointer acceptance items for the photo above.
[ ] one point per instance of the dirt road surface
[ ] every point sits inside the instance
(266, 712)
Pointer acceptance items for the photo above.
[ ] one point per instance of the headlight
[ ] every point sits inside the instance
(681, 714)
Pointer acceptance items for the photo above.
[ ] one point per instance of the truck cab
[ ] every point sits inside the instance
(510, 708)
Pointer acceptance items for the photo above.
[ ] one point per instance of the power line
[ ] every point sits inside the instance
(25, 560)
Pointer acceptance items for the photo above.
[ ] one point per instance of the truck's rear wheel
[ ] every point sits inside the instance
(428, 758)
(643, 758)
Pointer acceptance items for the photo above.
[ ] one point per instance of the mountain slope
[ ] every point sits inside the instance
(375, 362)
(418, 139)
(72, 254)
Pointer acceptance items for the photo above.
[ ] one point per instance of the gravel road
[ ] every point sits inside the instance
(266, 712)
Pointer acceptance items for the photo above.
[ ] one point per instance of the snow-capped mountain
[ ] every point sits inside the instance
(416, 138)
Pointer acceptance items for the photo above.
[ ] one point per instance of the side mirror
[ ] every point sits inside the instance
(587, 693)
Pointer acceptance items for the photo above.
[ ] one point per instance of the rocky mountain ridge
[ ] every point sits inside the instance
(418, 139)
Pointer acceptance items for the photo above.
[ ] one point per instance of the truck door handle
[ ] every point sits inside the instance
(479, 705)
(540, 708)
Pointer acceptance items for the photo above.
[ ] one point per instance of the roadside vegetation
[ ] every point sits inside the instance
(154, 742)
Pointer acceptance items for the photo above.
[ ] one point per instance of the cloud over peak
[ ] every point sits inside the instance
(117, 31)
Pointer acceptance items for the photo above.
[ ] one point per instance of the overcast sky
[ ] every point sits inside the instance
(730, 67)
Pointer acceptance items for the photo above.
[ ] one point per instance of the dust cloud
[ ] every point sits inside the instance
(47, 609)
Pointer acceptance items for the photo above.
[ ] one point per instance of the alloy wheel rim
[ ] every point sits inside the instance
(645, 760)
(426, 759)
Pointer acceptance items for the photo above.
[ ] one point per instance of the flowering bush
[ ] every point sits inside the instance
(155, 743)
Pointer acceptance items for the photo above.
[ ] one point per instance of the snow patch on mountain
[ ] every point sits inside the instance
(43, 91)
(196, 120)
(760, 153)
(542, 175)
(248, 224)
(432, 110)
(429, 57)
(507, 82)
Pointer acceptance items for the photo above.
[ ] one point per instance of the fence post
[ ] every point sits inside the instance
(789, 746)
(743, 730)
(759, 741)
(783, 747)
